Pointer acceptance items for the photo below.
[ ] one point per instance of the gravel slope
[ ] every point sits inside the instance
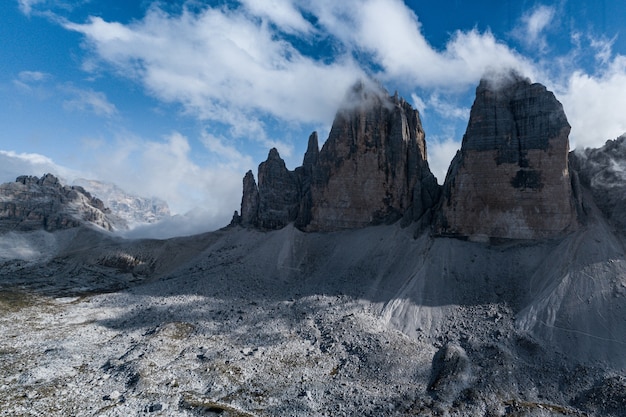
(367, 322)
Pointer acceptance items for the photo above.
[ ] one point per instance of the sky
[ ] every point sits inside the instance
(178, 99)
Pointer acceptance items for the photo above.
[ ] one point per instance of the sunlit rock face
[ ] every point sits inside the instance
(511, 177)
(373, 168)
(32, 203)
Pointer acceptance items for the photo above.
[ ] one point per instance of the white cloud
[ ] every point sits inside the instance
(440, 154)
(88, 100)
(165, 169)
(447, 109)
(534, 24)
(26, 6)
(595, 104)
(226, 155)
(31, 80)
(221, 65)
(228, 65)
(604, 49)
(391, 33)
(13, 164)
(32, 76)
(282, 13)
(418, 103)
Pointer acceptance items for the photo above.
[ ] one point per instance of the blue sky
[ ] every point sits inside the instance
(179, 99)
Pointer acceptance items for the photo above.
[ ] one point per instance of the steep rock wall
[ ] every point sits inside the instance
(371, 170)
(511, 177)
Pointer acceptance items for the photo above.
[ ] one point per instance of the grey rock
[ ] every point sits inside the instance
(32, 203)
(371, 170)
(249, 201)
(451, 372)
(279, 195)
(603, 171)
(511, 178)
(305, 176)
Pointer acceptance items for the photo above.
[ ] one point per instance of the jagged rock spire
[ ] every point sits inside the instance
(372, 169)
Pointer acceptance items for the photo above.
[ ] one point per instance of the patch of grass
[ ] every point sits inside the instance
(12, 301)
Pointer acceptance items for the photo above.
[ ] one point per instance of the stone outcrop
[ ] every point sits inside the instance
(371, 170)
(32, 203)
(279, 193)
(249, 201)
(511, 177)
(603, 171)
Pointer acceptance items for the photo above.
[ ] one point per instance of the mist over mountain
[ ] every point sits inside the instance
(135, 210)
(352, 285)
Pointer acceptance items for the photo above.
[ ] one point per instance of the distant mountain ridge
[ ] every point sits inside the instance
(133, 209)
(32, 203)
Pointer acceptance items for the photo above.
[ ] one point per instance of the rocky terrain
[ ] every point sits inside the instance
(603, 172)
(133, 209)
(422, 302)
(32, 203)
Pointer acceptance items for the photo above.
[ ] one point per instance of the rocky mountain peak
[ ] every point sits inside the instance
(32, 203)
(312, 153)
(372, 169)
(511, 177)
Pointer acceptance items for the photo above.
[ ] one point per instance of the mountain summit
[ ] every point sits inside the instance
(511, 177)
(372, 169)
(509, 180)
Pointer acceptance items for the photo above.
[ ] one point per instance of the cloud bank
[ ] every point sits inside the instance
(233, 64)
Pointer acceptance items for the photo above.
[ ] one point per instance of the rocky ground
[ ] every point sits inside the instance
(240, 323)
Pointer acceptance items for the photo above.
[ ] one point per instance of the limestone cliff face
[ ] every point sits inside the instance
(372, 169)
(511, 178)
(249, 201)
(279, 193)
(32, 203)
